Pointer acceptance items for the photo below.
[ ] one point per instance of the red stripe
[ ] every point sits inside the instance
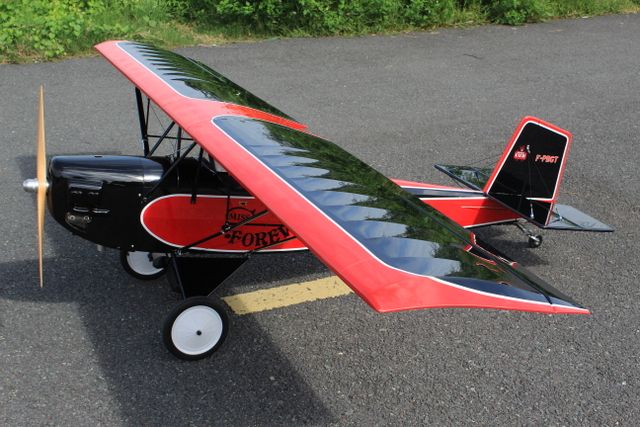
(468, 212)
(414, 184)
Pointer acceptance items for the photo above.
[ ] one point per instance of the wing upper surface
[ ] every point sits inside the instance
(393, 227)
(193, 79)
(396, 252)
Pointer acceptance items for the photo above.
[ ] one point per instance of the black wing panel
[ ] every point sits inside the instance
(393, 250)
(393, 225)
(193, 79)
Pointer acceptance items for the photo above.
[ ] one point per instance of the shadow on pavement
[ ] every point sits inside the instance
(123, 317)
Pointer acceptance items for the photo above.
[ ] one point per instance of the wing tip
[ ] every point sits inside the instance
(542, 309)
(467, 298)
(100, 47)
(565, 309)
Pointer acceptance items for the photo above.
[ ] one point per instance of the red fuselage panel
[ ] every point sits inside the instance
(472, 211)
(177, 222)
(468, 208)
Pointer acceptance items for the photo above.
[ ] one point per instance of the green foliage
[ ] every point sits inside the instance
(320, 16)
(50, 27)
(53, 28)
(40, 25)
(590, 7)
(517, 12)
(44, 29)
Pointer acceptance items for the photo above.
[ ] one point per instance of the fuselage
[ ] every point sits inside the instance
(124, 202)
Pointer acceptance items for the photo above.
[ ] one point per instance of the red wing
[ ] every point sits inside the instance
(394, 251)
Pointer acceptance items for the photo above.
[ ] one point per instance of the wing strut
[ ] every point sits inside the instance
(262, 248)
(145, 136)
(194, 191)
(171, 168)
(225, 229)
(144, 124)
(157, 144)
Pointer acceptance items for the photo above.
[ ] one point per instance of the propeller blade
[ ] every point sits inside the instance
(41, 168)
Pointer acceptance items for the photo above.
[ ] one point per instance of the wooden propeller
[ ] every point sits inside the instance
(41, 176)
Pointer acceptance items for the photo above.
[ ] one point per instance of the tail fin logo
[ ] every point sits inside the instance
(520, 154)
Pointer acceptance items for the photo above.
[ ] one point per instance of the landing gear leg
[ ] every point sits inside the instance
(197, 326)
(534, 240)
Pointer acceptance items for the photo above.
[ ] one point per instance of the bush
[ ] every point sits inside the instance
(318, 16)
(42, 26)
(517, 12)
(281, 17)
(54, 28)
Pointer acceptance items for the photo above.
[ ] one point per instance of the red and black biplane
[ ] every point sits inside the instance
(244, 178)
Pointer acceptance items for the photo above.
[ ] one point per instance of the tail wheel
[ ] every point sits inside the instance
(535, 241)
(141, 264)
(195, 328)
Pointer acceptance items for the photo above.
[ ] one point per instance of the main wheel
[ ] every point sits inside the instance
(140, 264)
(195, 328)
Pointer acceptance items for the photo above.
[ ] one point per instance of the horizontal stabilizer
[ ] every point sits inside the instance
(565, 217)
(527, 178)
(469, 176)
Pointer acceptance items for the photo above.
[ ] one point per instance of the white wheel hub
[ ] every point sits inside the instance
(197, 330)
(142, 263)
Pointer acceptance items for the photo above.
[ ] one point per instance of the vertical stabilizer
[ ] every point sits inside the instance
(528, 174)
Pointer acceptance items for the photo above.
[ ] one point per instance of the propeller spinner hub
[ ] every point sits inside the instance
(31, 185)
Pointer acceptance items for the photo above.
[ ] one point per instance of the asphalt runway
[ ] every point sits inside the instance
(86, 349)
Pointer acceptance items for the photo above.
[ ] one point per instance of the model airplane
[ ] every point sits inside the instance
(245, 178)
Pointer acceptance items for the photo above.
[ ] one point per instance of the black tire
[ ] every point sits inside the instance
(125, 261)
(208, 342)
(535, 241)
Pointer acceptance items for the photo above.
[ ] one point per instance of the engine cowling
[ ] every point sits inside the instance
(100, 197)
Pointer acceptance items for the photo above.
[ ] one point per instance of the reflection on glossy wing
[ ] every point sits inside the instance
(393, 225)
(194, 79)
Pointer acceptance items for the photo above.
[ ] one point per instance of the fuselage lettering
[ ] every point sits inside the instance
(257, 239)
(546, 158)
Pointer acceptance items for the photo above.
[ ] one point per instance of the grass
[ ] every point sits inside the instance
(39, 30)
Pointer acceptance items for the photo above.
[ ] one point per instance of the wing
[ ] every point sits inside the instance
(393, 250)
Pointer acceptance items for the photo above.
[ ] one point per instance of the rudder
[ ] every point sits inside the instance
(528, 175)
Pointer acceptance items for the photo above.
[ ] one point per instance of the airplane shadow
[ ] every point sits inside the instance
(122, 317)
(247, 382)
(512, 243)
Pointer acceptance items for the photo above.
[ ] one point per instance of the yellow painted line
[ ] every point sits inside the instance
(283, 296)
